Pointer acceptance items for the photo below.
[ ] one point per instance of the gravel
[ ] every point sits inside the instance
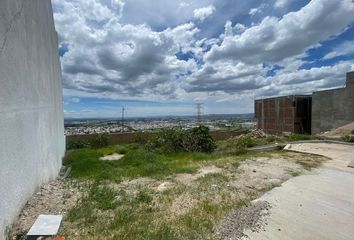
(55, 197)
(251, 217)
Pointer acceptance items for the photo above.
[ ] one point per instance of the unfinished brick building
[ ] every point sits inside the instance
(284, 114)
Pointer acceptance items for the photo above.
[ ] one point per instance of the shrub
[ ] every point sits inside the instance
(199, 140)
(178, 140)
(121, 150)
(243, 143)
(166, 141)
(77, 144)
(352, 132)
(100, 140)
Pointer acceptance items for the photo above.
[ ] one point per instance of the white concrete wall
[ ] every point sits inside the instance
(32, 141)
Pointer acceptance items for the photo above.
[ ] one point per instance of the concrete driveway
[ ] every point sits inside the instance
(316, 206)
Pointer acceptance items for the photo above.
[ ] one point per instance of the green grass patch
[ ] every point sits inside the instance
(137, 162)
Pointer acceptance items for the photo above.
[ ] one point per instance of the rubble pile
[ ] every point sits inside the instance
(256, 133)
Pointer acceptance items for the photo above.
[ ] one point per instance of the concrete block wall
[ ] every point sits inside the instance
(32, 141)
(275, 115)
(333, 108)
(350, 79)
(283, 114)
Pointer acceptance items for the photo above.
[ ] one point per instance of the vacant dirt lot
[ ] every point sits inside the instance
(206, 204)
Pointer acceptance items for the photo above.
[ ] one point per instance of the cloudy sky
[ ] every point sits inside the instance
(160, 57)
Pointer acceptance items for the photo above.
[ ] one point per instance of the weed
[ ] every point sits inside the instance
(300, 137)
(243, 143)
(308, 164)
(144, 197)
(83, 212)
(348, 138)
(295, 173)
(103, 197)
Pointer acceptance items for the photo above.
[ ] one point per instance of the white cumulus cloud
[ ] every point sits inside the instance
(281, 3)
(342, 49)
(275, 39)
(202, 13)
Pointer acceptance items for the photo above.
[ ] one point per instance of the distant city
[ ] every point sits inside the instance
(214, 122)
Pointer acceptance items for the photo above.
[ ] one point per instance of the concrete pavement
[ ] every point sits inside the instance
(315, 206)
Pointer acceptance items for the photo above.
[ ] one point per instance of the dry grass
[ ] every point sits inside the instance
(117, 207)
(308, 161)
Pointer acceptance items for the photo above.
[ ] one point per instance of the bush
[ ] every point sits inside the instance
(178, 140)
(166, 141)
(352, 132)
(243, 143)
(100, 140)
(199, 140)
(77, 144)
(348, 138)
(121, 150)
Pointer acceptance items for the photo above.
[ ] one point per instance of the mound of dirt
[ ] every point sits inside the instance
(341, 131)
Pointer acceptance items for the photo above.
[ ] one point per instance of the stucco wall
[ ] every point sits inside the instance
(32, 140)
(333, 108)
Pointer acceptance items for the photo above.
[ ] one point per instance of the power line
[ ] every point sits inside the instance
(122, 128)
(199, 112)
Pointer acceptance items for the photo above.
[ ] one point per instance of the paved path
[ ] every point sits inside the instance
(316, 206)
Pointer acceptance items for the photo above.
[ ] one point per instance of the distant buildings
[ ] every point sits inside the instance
(146, 125)
(319, 112)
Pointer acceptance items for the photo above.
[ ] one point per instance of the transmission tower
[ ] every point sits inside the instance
(122, 128)
(199, 112)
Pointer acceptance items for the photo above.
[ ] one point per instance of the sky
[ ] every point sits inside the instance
(161, 57)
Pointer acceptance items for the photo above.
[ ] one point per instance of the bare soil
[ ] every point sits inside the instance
(259, 174)
(188, 179)
(341, 131)
(247, 217)
(183, 204)
(55, 197)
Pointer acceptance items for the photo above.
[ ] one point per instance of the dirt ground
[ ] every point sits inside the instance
(55, 197)
(341, 131)
(248, 181)
(232, 227)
